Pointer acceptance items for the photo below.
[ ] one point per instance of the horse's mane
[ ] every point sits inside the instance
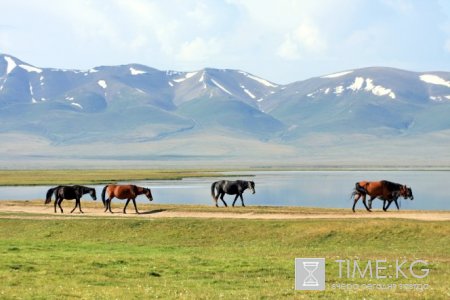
(392, 186)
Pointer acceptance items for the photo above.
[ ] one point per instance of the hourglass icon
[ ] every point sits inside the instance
(310, 267)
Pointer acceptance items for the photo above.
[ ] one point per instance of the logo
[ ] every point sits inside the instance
(310, 274)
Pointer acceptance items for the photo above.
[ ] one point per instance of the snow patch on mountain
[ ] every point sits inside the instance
(29, 68)
(247, 92)
(338, 90)
(31, 93)
(334, 75)
(357, 85)
(440, 98)
(186, 76)
(102, 84)
(77, 105)
(202, 77)
(189, 75)
(434, 79)
(381, 91)
(378, 90)
(11, 64)
(258, 79)
(134, 71)
(221, 87)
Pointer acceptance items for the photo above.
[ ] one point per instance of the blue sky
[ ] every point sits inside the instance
(283, 41)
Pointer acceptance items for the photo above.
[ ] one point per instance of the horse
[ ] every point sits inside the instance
(237, 188)
(385, 190)
(62, 192)
(129, 192)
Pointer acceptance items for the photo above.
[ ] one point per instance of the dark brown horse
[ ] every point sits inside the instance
(231, 188)
(69, 192)
(385, 190)
(129, 192)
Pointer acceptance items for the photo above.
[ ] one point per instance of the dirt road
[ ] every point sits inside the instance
(27, 211)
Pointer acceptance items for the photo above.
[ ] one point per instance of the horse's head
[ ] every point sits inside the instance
(406, 192)
(409, 193)
(251, 186)
(148, 193)
(93, 194)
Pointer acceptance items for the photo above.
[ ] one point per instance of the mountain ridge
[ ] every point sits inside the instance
(134, 103)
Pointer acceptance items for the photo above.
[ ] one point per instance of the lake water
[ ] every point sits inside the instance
(431, 189)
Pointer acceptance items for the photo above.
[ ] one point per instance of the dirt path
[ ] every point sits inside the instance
(46, 212)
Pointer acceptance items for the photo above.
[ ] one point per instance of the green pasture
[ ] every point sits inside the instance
(57, 177)
(57, 257)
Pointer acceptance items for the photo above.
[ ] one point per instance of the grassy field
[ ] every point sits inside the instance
(57, 177)
(208, 258)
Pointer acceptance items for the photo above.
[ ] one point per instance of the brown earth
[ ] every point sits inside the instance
(27, 210)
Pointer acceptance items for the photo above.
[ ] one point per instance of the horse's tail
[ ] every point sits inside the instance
(48, 197)
(358, 190)
(103, 195)
(213, 187)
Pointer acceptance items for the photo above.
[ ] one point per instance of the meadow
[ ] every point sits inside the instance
(60, 257)
(93, 176)
(48, 256)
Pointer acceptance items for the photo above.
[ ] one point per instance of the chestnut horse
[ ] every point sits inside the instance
(129, 192)
(384, 190)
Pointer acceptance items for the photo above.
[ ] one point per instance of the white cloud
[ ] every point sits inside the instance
(289, 49)
(199, 49)
(305, 38)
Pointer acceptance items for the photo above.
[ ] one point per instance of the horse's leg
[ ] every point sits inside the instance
(221, 198)
(126, 204)
(370, 201)
(109, 204)
(76, 204)
(389, 204)
(364, 202)
(56, 203)
(79, 205)
(60, 200)
(396, 204)
(386, 205)
(242, 200)
(235, 198)
(356, 200)
(106, 205)
(135, 207)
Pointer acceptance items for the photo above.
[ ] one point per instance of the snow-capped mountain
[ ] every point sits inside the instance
(135, 103)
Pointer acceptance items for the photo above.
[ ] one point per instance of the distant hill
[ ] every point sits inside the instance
(214, 112)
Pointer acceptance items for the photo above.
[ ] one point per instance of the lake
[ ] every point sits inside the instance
(331, 189)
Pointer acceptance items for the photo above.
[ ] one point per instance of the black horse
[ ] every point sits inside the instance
(69, 192)
(237, 188)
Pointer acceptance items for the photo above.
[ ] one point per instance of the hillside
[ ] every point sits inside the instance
(136, 112)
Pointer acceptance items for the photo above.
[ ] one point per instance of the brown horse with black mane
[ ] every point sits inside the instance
(129, 192)
(384, 190)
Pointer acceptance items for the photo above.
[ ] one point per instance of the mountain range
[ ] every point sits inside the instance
(135, 111)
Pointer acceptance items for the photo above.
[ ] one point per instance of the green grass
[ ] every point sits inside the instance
(207, 258)
(57, 177)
